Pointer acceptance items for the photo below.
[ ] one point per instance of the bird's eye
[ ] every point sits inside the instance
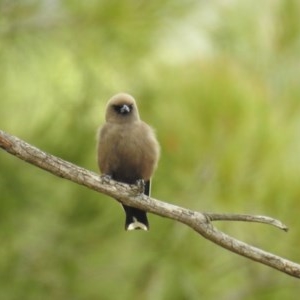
(123, 109)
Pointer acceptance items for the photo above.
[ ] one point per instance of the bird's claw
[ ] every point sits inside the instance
(106, 178)
(140, 183)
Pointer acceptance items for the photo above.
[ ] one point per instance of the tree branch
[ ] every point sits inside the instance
(247, 218)
(131, 195)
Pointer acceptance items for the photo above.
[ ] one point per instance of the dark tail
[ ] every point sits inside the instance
(136, 218)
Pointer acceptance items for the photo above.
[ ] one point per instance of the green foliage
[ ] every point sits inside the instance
(227, 120)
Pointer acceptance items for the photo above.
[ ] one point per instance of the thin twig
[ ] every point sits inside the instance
(246, 218)
(130, 195)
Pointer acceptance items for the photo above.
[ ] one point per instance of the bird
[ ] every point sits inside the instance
(128, 151)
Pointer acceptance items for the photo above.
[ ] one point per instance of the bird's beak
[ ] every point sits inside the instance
(125, 109)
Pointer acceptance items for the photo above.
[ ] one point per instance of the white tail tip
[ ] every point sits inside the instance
(137, 225)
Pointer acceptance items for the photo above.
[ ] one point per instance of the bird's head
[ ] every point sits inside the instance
(122, 108)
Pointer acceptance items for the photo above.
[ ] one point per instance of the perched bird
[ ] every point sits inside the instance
(128, 151)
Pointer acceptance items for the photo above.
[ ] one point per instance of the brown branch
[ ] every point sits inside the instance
(130, 195)
(247, 218)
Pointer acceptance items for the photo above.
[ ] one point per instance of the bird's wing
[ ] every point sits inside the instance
(147, 189)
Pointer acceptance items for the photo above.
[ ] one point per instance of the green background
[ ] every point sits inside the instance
(218, 80)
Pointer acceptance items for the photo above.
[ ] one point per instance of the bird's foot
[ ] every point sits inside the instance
(140, 183)
(106, 178)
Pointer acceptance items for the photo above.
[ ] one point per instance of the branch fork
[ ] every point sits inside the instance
(131, 195)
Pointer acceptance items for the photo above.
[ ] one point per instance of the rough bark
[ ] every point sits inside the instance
(131, 195)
